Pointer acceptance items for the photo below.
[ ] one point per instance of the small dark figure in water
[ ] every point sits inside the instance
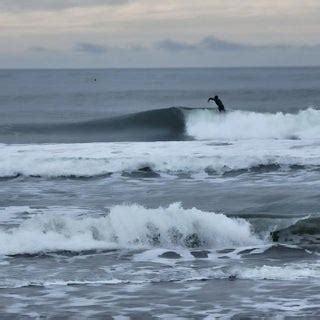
(218, 103)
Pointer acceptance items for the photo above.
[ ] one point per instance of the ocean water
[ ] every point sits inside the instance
(124, 194)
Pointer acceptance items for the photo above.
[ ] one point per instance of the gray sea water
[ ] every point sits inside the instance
(124, 194)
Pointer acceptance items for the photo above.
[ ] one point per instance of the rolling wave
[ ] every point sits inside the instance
(175, 123)
(303, 231)
(154, 125)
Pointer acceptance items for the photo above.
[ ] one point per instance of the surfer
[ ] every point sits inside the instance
(218, 103)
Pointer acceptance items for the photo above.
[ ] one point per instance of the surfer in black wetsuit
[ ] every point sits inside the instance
(218, 103)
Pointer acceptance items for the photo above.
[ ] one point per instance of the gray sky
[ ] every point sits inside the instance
(151, 33)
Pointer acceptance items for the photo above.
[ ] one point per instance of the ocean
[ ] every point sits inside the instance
(124, 194)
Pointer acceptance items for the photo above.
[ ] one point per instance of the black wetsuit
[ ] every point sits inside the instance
(218, 103)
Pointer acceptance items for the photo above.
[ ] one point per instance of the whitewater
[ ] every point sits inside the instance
(127, 227)
(98, 159)
(238, 125)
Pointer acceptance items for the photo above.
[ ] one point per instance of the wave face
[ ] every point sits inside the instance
(154, 125)
(175, 123)
(237, 125)
(127, 226)
(160, 124)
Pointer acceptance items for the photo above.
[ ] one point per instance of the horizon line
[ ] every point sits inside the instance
(167, 67)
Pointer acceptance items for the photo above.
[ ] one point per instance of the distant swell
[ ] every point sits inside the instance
(175, 123)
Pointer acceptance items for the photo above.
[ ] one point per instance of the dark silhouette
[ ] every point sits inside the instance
(218, 103)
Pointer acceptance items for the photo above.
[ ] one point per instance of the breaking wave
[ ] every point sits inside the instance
(175, 123)
(237, 125)
(127, 226)
(152, 159)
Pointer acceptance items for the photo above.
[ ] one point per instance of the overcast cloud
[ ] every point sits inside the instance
(49, 5)
(90, 48)
(158, 33)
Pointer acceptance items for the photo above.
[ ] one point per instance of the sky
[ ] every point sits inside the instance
(153, 33)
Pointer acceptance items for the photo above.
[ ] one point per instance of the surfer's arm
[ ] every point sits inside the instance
(210, 99)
